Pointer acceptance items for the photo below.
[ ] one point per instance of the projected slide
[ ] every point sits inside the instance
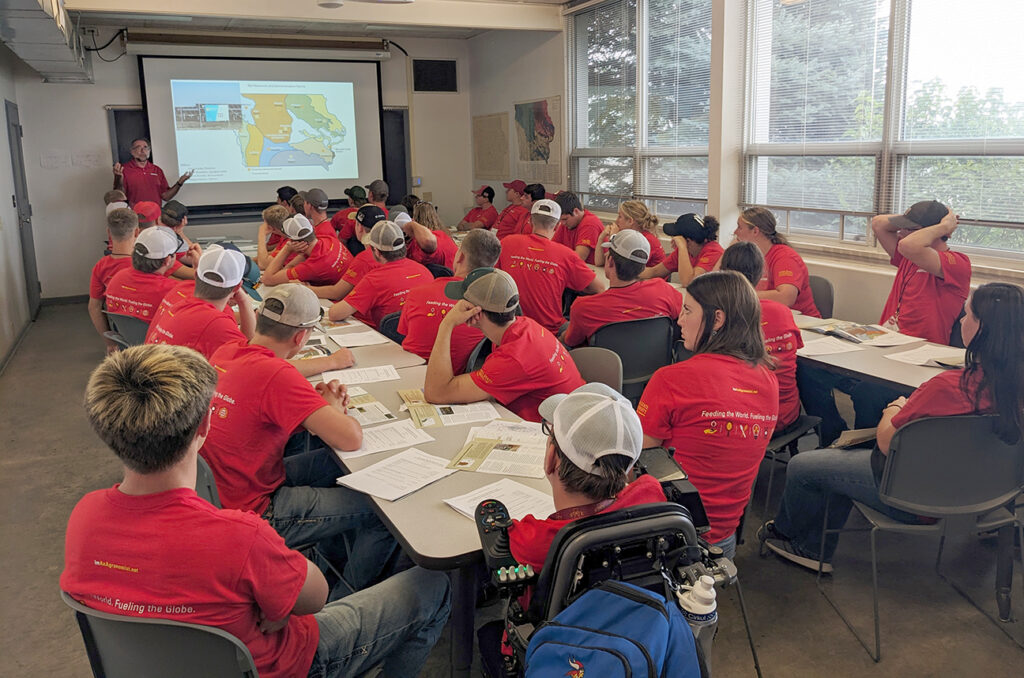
(238, 131)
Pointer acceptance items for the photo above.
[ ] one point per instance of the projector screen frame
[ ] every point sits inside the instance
(227, 212)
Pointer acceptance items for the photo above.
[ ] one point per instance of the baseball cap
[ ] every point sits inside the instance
(485, 191)
(387, 236)
(921, 214)
(158, 242)
(368, 215)
(629, 244)
(591, 422)
(115, 205)
(292, 305)
(689, 226)
(547, 207)
(518, 185)
(401, 219)
(317, 198)
(356, 192)
(147, 211)
(297, 227)
(489, 288)
(175, 210)
(221, 267)
(250, 273)
(379, 187)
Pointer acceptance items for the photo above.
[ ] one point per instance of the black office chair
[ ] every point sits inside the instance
(126, 330)
(389, 327)
(823, 293)
(439, 270)
(478, 354)
(643, 345)
(956, 340)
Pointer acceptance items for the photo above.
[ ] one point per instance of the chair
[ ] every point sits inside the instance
(477, 355)
(946, 468)
(126, 330)
(439, 271)
(823, 293)
(785, 442)
(389, 327)
(956, 340)
(642, 345)
(598, 364)
(126, 647)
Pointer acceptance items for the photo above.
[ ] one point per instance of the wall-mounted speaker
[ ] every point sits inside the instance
(434, 75)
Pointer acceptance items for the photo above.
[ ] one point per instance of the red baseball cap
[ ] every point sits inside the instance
(147, 211)
(519, 186)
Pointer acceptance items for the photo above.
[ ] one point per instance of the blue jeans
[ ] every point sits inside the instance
(816, 386)
(396, 622)
(728, 546)
(810, 478)
(312, 508)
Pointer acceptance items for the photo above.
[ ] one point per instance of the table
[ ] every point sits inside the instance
(388, 353)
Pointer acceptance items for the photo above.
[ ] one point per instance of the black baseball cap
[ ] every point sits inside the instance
(175, 210)
(921, 214)
(368, 215)
(689, 226)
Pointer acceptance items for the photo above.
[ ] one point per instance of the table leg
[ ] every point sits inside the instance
(462, 620)
(1004, 571)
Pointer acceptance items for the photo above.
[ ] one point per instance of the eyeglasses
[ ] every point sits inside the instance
(140, 148)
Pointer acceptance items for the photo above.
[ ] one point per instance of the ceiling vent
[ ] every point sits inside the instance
(41, 34)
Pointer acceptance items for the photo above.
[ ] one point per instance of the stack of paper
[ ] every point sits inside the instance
(827, 346)
(366, 409)
(931, 355)
(398, 476)
(388, 437)
(354, 339)
(519, 499)
(362, 375)
(335, 324)
(424, 414)
(506, 448)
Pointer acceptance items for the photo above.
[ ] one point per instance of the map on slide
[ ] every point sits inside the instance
(278, 130)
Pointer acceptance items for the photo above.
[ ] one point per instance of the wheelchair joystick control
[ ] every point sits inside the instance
(492, 523)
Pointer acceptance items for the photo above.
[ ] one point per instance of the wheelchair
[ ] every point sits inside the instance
(654, 546)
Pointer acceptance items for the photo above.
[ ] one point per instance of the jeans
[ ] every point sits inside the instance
(396, 622)
(728, 546)
(816, 387)
(810, 478)
(312, 508)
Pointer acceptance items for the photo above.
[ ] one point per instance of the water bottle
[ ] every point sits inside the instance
(701, 611)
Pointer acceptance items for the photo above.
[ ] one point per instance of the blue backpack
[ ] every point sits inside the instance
(613, 631)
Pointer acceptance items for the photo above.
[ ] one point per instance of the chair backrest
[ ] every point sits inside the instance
(956, 340)
(823, 294)
(206, 484)
(598, 364)
(389, 327)
(643, 346)
(132, 329)
(477, 355)
(946, 466)
(126, 647)
(439, 270)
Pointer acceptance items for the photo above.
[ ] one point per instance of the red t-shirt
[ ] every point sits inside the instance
(525, 224)
(719, 413)
(543, 270)
(781, 340)
(657, 254)
(259, 402)
(195, 323)
(783, 266)
(488, 215)
(172, 555)
(585, 234)
(925, 305)
(359, 266)
(706, 259)
(344, 223)
(424, 309)
(383, 290)
(137, 294)
(444, 255)
(530, 538)
(529, 365)
(325, 229)
(103, 271)
(941, 396)
(144, 183)
(642, 299)
(325, 263)
(508, 220)
(274, 241)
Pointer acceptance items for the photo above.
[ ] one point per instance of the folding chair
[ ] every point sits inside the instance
(126, 330)
(477, 355)
(823, 294)
(439, 271)
(389, 327)
(643, 346)
(598, 364)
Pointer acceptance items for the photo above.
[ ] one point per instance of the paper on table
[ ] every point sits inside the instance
(423, 413)
(388, 437)
(363, 375)
(519, 499)
(827, 346)
(453, 415)
(930, 355)
(354, 339)
(891, 339)
(329, 325)
(504, 448)
(397, 476)
(806, 322)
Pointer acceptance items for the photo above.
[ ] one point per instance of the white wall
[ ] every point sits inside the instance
(13, 299)
(511, 66)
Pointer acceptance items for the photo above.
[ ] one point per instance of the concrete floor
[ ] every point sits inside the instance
(51, 457)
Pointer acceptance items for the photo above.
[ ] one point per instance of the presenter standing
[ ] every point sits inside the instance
(142, 180)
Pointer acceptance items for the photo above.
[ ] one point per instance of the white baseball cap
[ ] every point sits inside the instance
(547, 207)
(630, 244)
(221, 267)
(297, 227)
(402, 219)
(115, 205)
(156, 242)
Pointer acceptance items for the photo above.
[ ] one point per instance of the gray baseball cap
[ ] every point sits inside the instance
(489, 288)
(378, 187)
(317, 198)
(387, 236)
(293, 305)
(629, 244)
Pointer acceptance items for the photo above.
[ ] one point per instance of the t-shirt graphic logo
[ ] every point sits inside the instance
(577, 668)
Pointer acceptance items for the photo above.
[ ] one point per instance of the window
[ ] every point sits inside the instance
(835, 133)
(641, 73)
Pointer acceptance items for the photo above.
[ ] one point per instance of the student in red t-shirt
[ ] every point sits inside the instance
(362, 263)
(696, 249)
(199, 321)
(578, 229)
(382, 290)
(270, 236)
(633, 215)
(378, 194)
(781, 335)
(316, 211)
(785, 276)
(990, 383)
(483, 215)
(344, 220)
(122, 228)
(531, 194)
(508, 220)
(627, 297)
(426, 237)
(317, 261)
(151, 547)
(137, 291)
(719, 408)
(426, 306)
(527, 363)
(543, 269)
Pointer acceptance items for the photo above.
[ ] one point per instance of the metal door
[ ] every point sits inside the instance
(20, 201)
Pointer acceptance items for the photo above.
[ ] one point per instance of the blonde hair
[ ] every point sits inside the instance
(638, 212)
(426, 214)
(275, 215)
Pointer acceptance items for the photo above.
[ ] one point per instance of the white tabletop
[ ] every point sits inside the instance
(431, 532)
(388, 353)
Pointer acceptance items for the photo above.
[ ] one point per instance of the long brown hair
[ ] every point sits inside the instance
(426, 214)
(763, 220)
(740, 335)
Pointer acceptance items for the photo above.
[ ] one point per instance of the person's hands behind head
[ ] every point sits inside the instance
(463, 313)
(949, 222)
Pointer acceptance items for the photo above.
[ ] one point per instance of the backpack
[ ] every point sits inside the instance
(615, 630)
